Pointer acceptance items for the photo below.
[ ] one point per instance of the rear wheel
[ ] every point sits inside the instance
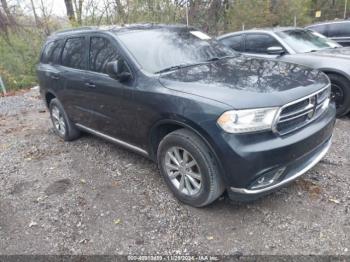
(189, 168)
(340, 93)
(62, 125)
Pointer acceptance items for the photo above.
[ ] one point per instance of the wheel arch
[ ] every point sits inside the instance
(166, 126)
(49, 95)
(335, 72)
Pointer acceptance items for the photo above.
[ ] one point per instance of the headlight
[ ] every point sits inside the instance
(248, 120)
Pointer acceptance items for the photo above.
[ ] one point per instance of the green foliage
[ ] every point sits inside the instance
(265, 13)
(19, 52)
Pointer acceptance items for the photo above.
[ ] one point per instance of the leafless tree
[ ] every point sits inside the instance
(78, 5)
(36, 18)
(8, 13)
(70, 10)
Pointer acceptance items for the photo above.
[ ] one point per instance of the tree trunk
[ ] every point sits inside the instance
(70, 11)
(192, 11)
(78, 10)
(226, 17)
(37, 22)
(120, 10)
(10, 18)
(3, 23)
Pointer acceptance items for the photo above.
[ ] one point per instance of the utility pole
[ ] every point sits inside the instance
(187, 13)
(2, 86)
(345, 7)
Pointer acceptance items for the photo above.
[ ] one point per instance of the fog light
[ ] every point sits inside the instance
(268, 179)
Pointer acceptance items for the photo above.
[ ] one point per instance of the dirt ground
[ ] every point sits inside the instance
(93, 197)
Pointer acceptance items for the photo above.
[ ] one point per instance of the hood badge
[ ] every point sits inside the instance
(313, 103)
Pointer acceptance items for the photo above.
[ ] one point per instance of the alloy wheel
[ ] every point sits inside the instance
(183, 170)
(58, 120)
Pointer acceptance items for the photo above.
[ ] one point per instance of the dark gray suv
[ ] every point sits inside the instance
(212, 119)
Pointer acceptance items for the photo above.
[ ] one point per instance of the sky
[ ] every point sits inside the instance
(56, 7)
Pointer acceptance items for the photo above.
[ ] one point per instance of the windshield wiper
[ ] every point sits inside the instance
(176, 67)
(216, 58)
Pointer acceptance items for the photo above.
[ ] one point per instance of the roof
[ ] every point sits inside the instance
(116, 28)
(330, 22)
(262, 30)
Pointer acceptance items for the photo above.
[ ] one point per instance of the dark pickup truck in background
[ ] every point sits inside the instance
(339, 30)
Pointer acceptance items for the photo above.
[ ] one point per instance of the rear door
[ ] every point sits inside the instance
(322, 29)
(48, 70)
(77, 95)
(340, 32)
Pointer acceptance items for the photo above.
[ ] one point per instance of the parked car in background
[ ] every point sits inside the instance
(300, 46)
(212, 119)
(339, 31)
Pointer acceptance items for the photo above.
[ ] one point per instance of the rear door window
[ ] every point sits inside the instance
(73, 54)
(339, 29)
(52, 52)
(322, 29)
(234, 42)
(102, 51)
(259, 43)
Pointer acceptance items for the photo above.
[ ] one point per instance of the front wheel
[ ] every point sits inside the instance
(189, 168)
(340, 93)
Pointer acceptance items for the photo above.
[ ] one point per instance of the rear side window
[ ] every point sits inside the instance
(52, 52)
(234, 42)
(259, 43)
(339, 29)
(322, 29)
(73, 54)
(101, 52)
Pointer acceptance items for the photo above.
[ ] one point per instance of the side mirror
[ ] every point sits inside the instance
(275, 50)
(116, 70)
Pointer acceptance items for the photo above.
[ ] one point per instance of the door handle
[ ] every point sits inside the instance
(55, 76)
(89, 84)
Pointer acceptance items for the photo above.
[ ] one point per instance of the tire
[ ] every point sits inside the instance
(340, 93)
(62, 125)
(190, 147)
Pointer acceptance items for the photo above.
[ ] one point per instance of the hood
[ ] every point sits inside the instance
(246, 82)
(341, 52)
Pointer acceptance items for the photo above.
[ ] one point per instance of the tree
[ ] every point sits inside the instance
(8, 12)
(70, 11)
(78, 10)
(36, 18)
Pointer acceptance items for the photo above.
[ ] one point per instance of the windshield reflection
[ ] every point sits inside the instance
(250, 74)
(159, 49)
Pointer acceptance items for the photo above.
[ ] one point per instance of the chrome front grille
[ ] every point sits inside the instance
(299, 113)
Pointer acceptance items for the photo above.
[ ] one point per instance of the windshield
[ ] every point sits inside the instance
(303, 41)
(159, 49)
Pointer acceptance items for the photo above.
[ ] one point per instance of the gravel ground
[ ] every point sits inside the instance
(93, 197)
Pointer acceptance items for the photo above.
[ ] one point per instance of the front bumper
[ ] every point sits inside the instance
(292, 172)
(247, 158)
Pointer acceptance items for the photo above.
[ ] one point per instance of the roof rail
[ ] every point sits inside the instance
(75, 29)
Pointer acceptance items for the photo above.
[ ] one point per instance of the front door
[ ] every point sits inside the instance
(256, 44)
(111, 103)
